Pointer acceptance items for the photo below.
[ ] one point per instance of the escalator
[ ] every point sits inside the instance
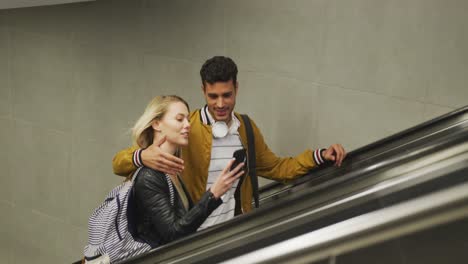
(425, 159)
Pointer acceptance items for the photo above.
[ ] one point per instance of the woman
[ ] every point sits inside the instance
(162, 217)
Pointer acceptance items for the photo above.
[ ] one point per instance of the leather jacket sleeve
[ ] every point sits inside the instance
(153, 198)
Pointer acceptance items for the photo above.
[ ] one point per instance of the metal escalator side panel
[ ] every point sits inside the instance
(422, 213)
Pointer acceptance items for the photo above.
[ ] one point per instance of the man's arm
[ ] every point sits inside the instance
(122, 163)
(277, 168)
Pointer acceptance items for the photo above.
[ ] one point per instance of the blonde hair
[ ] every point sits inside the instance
(142, 131)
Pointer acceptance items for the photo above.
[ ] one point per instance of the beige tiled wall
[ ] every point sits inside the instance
(5, 91)
(73, 79)
(274, 37)
(357, 118)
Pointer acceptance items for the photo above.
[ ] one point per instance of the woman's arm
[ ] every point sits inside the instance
(152, 194)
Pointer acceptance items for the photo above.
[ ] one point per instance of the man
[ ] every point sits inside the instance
(216, 132)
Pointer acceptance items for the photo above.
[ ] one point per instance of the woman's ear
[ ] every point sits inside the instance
(156, 125)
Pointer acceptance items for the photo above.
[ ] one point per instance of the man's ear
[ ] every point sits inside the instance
(156, 125)
(236, 87)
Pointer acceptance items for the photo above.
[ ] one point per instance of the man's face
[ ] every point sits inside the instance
(221, 99)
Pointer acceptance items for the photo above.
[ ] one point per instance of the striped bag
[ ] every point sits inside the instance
(109, 238)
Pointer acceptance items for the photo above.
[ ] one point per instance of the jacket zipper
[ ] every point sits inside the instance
(117, 217)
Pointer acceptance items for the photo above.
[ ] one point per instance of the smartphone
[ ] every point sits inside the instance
(240, 156)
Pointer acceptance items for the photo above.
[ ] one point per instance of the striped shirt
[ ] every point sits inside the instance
(222, 150)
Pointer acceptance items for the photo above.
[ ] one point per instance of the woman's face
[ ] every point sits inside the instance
(175, 124)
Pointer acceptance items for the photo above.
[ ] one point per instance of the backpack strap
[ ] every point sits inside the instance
(252, 166)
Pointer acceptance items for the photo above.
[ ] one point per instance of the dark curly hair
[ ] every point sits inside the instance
(218, 69)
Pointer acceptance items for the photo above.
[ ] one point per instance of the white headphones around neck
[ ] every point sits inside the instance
(220, 129)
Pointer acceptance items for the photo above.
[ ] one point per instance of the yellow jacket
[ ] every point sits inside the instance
(197, 157)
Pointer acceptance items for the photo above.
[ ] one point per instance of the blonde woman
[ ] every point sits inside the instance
(157, 220)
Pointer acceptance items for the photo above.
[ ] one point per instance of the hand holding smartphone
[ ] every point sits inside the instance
(226, 179)
(239, 156)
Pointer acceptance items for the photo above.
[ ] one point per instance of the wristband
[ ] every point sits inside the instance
(137, 158)
(318, 157)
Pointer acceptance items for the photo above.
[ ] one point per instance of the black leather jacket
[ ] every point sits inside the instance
(157, 222)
